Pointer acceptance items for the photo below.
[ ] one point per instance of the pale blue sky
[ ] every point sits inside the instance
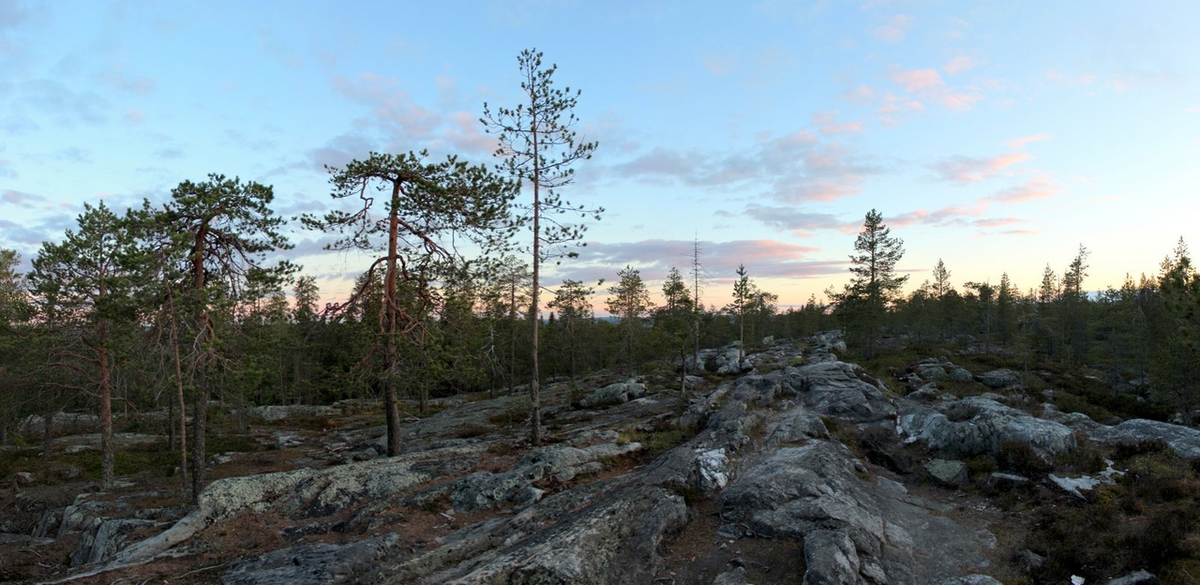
(997, 136)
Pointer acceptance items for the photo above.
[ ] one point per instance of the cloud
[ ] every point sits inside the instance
(1060, 78)
(800, 223)
(119, 80)
(719, 64)
(1020, 143)
(134, 115)
(929, 85)
(965, 169)
(654, 258)
(465, 133)
(799, 166)
(21, 198)
(959, 64)
(827, 124)
(895, 30)
(389, 104)
(6, 169)
(394, 123)
(918, 80)
(58, 100)
(1031, 190)
(12, 232)
(896, 108)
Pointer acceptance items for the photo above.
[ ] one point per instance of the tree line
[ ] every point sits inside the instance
(1145, 334)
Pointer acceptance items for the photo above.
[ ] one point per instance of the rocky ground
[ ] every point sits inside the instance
(788, 466)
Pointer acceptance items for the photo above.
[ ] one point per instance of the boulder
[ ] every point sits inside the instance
(838, 389)
(315, 563)
(813, 494)
(104, 538)
(977, 425)
(1139, 577)
(278, 412)
(1185, 441)
(712, 471)
(947, 472)
(485, 490)
(614, 394)
(1002, 378)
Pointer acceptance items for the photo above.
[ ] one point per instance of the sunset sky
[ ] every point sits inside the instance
(997, 136)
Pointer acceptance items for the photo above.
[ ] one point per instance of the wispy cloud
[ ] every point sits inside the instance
(827, 124)
(763, 258)
(895, 30)
(1020, 143)
(719, 64)
(929, 85)
(21, 198)
(790, 219)
(965, 169)
(1031, 190)
(960, 64)
(66, 105)
(795, 167)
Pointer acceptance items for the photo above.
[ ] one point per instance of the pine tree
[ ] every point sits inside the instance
(426, 202)
(538, 145)
(90, 277)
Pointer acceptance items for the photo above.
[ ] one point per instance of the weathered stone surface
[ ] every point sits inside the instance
(618, 393)
(712, 470)
(797, 425)
(838, 389)
(960, 374)
(1139, 577)
(1183, 440)
(614, 540)
(734, 577)
(277, 412)
(315, 563)
(947, 472)
(830, 559)
(981, 425)
(971, 580)
(1002, 378)
(101, 539)
(485, 491)
(798, 491)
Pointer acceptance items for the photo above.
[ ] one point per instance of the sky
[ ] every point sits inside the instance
(995, 136)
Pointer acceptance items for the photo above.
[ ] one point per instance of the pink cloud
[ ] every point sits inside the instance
(1020, 143)
(466, 135)
(895, 30)
(134, 115)
(928, 84)
(895, 108)
(959, 64)
(1059, 77)
(1031, 190)
(964, 169)
(918, 80)
(862, 93)
(827, 124)
(389, 104)
(799, 166)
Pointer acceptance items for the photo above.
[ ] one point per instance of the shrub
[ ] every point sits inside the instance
(1020, 458)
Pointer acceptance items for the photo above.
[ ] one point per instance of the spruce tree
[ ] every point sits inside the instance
(874, 286)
